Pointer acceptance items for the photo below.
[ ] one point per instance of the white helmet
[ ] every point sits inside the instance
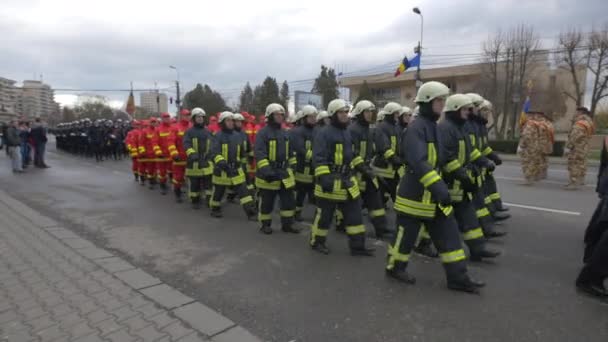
(307, 111)
(224, 116)
(486, 105)
(362, 106)
(405, 110)
(297, 116)
(238, 117)
(274, 108)
(476, 98)
(381, 115)
(322, 115)
(457, 101)
(430, 91)
(337, 105)
(198, 111)
(392, 107)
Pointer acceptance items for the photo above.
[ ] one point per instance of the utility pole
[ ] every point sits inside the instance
(177, 100)
(419, 48)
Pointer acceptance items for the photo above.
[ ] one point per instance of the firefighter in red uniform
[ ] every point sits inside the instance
(213, 125)
(250, 130)
(178, 153)
(141, 156)
(148, 147)
(131, 140)
(163, 134)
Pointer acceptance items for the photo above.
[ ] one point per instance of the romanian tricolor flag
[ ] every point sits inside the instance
(526, 108)
(407, 63)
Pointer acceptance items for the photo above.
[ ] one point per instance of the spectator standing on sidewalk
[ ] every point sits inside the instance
(24, 136)
(38, 135)
(13, 146)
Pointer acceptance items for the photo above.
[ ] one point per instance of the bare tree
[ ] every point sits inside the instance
(492, 53)
(570, 54)
(598, 65)
(525, 44)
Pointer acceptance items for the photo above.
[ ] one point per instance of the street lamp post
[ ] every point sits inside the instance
(418, 79)
(177, 100)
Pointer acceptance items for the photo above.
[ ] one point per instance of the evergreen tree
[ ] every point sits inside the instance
(326, 84)
(246, 99)
(284, 95)
(365, 93)
(206, 98)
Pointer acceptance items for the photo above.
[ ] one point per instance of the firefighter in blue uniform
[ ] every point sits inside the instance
(336, 185)
(227, 152)
(300, 139)
(363, 148)
(423, 198)
(483, 165)
(387, 161)
(197, 142)
(274, 175)
(456, 148)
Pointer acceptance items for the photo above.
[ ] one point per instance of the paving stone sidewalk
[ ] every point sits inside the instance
(56, 286)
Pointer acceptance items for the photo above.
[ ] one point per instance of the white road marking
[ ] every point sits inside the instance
(565, 212)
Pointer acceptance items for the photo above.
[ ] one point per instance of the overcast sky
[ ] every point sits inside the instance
(106, 44)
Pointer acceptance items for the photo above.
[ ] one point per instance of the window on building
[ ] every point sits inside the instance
(384, 95)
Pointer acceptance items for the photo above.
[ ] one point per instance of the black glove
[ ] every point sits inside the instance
(366, 172)
(497, 160)
(468, 185)
(222, 165)
(396, 161)
(440, 193)
(176, 158)
(192, 158)
(491, 166)
(327, 183)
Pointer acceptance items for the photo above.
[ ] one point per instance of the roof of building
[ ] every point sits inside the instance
(435, 73)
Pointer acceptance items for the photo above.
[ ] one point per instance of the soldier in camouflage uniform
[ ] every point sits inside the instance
(546, 137)
(577, 147)
(529, 149)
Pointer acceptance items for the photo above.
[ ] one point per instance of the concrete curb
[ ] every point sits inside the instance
(200, 317)
(552, 160)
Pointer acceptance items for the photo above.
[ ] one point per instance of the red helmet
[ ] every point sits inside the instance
(184, 112)
(165, 115)
(173, 120)
(153, 120)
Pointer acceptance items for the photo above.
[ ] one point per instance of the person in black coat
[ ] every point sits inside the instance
(595, 271)
(39, 139)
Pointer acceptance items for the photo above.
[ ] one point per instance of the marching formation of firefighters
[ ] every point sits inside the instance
(437, 175)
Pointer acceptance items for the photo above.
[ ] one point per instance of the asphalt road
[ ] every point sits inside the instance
(279, 289)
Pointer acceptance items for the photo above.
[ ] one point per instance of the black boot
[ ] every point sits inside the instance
(465, 284)
(425, 247)
(136, 177)
(483, 253)
(385, 235)
(298, 216)
(341, 227)
(265, 228)
(251, 211)
(399, 272)
(593, 287)
(357, 246)
(152, 184)
(289, 228)
(216, 212)
(196, 203)
(494, 234)
(498, 216)
(319, 245)
(500, 207)
(163, 188)
(231, 196)
(178, 195)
